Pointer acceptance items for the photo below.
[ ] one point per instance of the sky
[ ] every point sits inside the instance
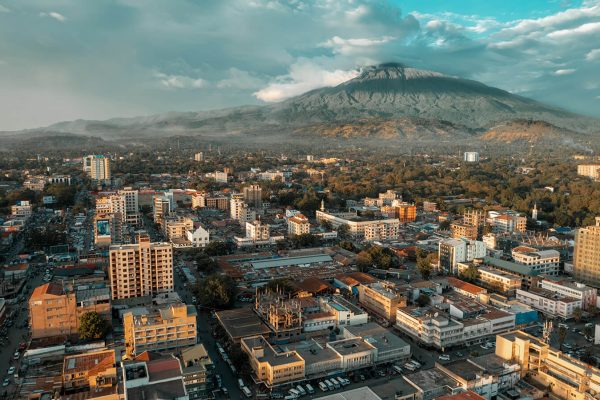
(71, 59)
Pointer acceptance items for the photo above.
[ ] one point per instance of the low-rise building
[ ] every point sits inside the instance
(159, 328)
(151, 376)
(381, 299)
(548, 302)
(298, 225)
(568, 288)
(567, 377)
(543, 261)
(91, 371)
(382, 230)
(496, 280)
(22, 209)
(197, 370)
(270, 366)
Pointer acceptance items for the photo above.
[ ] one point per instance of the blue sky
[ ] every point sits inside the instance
(70, 59)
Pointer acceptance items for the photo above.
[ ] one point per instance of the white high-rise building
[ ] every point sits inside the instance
(97, 167)
(471, 156)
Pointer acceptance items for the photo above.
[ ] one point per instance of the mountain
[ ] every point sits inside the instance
(388, 101)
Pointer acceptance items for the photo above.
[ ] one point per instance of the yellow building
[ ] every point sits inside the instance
(586, 256)
(564, 376)
(160, 328)
(271, 367)
(97, 167)
(460, 230)
(381, 299)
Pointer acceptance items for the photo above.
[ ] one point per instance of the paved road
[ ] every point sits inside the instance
(16, 334)
(204, 336)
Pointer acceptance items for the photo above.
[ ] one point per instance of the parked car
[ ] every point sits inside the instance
(444, 357)
(5, 382)
(11, 371)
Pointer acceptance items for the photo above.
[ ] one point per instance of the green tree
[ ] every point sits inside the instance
(343, 231)
(470, 274)
(284, 285)
(577, 314)
(424, 266)
(216, 291)
(562, 335)
(92, 326)
(444, 225)
(216, 248)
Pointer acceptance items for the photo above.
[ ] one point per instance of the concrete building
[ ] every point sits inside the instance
(384, 230)
(257, 231)
(152, 376)
(95, 371)
(141, 269)
(198, 236)
(108, 229)
(406, 212)
(345, 312)
(507, 222)
(381, 299)
(452, 251)
(548, 302)
(161, 208)
(544, 261)
(221, 177)
(568, 288)
(197, 370)
(59, 179)
(356, 225)
(56, 312)
(586, 255)
(460, 230)
(298, 225)
(98, 168)
(159, 328)
(272, 367)
(389, 347)
(199, 157)
(589, 170)
(564, 376)
(253, 196)
(22, 209)
(496, 280)
(471, 156)
(212, 201)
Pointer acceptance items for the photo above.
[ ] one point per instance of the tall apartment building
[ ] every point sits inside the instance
(55, 311)
(257, 231)
(381, 299)
(177, 227)
(236, 203)
(108, 229)
(131, 197)
(253, 196)
(452, 251)
(160, 328)
(97, 167)
(199, 157)
(162, 208)
(298, 225)
(589, 170)
(586, 256)
(141, 269)
(221, 177)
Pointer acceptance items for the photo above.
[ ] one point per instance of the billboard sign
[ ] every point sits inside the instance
(103, 228)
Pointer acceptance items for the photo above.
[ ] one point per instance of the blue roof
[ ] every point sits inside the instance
(289, 261)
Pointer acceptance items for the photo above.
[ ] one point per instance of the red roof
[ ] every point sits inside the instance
(48, 288)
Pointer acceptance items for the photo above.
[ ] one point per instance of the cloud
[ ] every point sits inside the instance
(567, 71)
(593, 55)
(302, 77)
(53, 14)
(350, 46)
(4, 9)
(575, 33)
(239, 79)
(179, 81)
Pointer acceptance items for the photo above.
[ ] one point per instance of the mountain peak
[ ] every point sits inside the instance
(393, 70)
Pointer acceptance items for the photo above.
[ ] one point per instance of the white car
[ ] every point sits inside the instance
(11, 370)
(444, 357)
(5, 382)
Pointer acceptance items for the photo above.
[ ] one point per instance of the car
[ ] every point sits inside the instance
(362, 377)
(225, 391)
(444, 357)
(17, 355)
(459, 354)
(5, 382)
(11, 370)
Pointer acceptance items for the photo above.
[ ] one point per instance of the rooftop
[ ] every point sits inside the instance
(289, 261)
(271, 355)
(377, 336)
(361, 393)
(346, 347)
(510, 266)
(431, 378)
(241, 323)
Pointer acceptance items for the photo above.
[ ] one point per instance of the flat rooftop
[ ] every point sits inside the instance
(431, 378)
(350, 346)
(290, 261)
(464, 369)
(377, 336)
(362, 393)
(242, 322)
(273, 356)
